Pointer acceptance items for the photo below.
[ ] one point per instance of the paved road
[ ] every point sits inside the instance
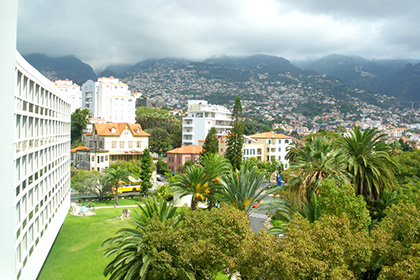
(257, 218)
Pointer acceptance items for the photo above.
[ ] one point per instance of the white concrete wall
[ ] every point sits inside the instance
(8, 21)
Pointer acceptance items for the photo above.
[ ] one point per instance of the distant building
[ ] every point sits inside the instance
(201, 117)
(72, 91)
(109, 99)
(107, 143)
(180, 156)
(262, 146)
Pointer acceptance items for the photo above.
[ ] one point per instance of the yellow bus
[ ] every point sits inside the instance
(123, 189)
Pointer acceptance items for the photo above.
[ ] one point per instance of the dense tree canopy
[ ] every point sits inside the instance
(79, 120)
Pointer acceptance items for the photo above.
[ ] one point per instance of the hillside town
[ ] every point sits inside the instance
(279, 104)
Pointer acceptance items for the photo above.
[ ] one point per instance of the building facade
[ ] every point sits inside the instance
(72, 91)
(180, 156)
(263, 146)
(202, 116)
(108, 143)
(109, 99)
(41, 167)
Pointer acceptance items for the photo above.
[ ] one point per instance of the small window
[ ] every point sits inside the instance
(122, 144)
(286, 141)
(279, 149)
(114, 144)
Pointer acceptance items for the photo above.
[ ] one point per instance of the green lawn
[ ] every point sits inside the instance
(77, 252)
(112, 202)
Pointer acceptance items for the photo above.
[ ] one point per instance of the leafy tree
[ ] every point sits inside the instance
(157, 118)
(113, 176)
(159, 140)
(79, 120)
(397, 240)
(161, 167)
(146, 171)
(89, 182)
(235, 137)
(335, 199)
(211, 144)
(369, 164)
(194, 182)
(133, 167)
(305, 253)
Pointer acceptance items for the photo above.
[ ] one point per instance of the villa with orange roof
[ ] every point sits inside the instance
(107, 143)
(180, 156)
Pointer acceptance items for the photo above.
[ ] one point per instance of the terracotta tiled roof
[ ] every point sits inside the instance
(79, 148)
(190, 149)
(105, 129)
(270, 135)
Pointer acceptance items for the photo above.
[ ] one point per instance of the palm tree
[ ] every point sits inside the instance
(130, 260)
(114, 175)
(369, 164)
(315, 160)
(215, 166)
(194, 182)
(242, 188)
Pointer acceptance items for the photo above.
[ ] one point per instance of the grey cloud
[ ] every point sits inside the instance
(102, 32)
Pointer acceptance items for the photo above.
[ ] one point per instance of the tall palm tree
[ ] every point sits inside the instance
(315, 160)
(242, 188)
(194, 182)
(114, 175)
(130, 261)
(369, 164)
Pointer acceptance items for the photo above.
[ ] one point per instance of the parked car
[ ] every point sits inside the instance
(256, 204)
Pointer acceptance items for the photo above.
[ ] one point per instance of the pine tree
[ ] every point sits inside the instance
(211, 144)
(235, 139)
(146, 171)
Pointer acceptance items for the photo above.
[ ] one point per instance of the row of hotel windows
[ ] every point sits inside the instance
(33, 92)
(34, 226)
(27, 127)
(27, 164)
(38, 110)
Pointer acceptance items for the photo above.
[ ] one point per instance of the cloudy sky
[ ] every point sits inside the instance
(103, 32)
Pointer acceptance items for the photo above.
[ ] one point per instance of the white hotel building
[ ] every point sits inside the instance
(73, 91)
(35, 161)
(201, 117)
(109, 99)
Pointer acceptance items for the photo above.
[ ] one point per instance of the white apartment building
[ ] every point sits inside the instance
(109, 99)
(72, 91)
(202, 116)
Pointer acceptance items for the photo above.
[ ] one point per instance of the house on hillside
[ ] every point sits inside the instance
(111, 142)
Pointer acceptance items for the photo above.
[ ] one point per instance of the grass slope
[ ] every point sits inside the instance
(77, 252)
